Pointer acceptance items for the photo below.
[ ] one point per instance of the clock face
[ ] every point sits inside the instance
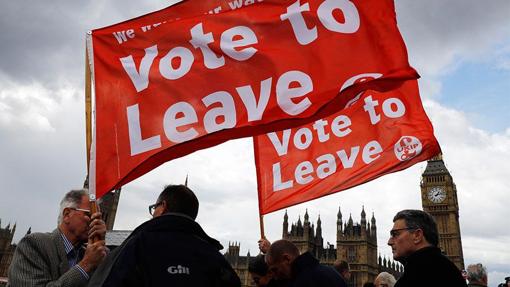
(437, 194)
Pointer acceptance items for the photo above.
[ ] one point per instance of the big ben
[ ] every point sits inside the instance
(439, 198)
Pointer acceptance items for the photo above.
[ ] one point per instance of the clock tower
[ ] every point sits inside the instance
(439, 198)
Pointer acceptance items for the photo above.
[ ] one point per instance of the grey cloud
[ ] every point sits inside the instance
(439, 33)
(44, 41)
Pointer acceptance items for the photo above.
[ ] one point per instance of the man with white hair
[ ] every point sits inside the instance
(385, 279)
(477, 275)
(62, 257)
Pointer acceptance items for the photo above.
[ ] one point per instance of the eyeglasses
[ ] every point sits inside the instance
(152, 207)
(85, 211)
(396, 232)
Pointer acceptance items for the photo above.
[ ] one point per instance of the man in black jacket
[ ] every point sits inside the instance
(414, 242)
(169, 250)
(303, 270)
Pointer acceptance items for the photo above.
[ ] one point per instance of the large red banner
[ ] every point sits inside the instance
(178, 80)
(378, 133)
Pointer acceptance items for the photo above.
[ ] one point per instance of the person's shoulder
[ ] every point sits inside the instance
(36, 238)
(35, 243)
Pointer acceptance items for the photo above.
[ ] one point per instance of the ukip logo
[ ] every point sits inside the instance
(407, 147)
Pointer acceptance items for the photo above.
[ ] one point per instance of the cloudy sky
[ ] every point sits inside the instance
(461, 48)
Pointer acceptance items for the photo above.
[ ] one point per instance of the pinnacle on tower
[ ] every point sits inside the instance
(285, 226)
(29, 230)
(439, 156)
(339, 224)
(306, 216)
(373, 219)
(363, 217)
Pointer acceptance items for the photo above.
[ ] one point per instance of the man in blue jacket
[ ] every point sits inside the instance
(169, 250)
(303, 270)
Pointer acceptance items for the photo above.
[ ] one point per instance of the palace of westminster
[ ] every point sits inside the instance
(356, 243)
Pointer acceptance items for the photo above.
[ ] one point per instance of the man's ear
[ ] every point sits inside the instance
(418, 236)
(65, 214)
(287, 257)
(164, 205)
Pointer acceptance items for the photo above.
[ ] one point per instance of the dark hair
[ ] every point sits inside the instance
(258, 265)
(419, 219)
(180, 199)
(280, 247)
(368, 284)
(341, 266)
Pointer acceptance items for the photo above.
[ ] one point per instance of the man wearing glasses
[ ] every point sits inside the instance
(414, 242)
(171, 249)
(62, 257)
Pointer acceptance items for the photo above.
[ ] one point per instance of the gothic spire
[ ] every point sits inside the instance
(306, 216)
(285, 226)
(363, 216)
(319, 227)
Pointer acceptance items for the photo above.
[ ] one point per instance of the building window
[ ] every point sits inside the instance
(351, 254)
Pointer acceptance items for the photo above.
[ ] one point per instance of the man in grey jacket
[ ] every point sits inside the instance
(61, 258)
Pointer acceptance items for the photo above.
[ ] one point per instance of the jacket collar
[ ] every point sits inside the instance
(420, 253)
(176, 222)
(304, 261)
(60, 250)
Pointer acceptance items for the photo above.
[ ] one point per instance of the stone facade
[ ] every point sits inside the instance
(6, 248)
(356, 243)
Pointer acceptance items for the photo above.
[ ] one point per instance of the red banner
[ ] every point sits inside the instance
(168, 86)
(377, 134)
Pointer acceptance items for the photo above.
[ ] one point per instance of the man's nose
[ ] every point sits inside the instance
(390, 241)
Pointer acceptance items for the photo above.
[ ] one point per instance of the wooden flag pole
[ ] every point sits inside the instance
(88, 108)
(261, 218)
(88, 126)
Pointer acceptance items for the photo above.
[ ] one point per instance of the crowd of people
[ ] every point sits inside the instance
(172, 249)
